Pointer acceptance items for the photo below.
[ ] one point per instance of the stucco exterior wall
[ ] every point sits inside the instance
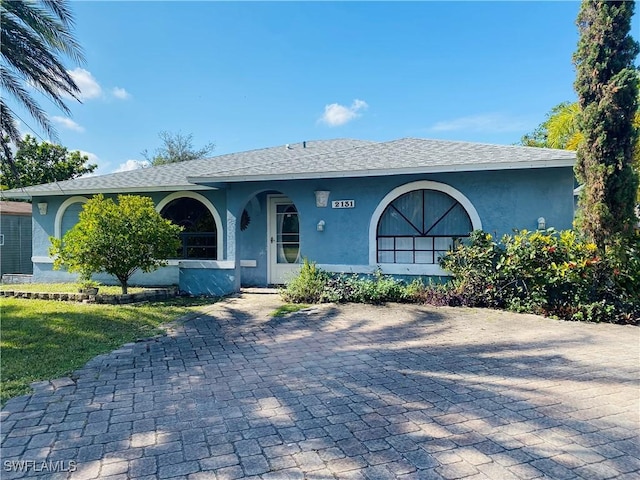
(504, 200)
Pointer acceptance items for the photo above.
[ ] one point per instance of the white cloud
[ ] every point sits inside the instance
(486, 123)
(88, 85)
(336, 114)
(131, 165)
(90, 88)
(120, 93)
(93, 158)
(67, 123)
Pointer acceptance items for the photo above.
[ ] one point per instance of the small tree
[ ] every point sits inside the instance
(36, 163)
(607, 88)
(177, 148)
(117, 238)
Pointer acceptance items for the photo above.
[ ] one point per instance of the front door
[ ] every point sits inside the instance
(284, 240)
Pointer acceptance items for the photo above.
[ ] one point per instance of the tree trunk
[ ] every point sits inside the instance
(124, 283)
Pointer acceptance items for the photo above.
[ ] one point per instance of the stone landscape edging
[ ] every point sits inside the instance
(149, 295)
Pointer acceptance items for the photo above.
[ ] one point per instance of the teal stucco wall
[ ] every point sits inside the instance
(504, 200)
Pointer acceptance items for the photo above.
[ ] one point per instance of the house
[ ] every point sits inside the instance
(15, 238)
(348, 205)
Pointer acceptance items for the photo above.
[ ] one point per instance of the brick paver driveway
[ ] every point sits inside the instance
(342, 392)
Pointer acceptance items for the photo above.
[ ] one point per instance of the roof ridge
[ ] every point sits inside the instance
(468, 142)
(231, 154)
(301, 157)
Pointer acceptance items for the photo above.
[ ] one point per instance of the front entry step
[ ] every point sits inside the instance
(260, 290)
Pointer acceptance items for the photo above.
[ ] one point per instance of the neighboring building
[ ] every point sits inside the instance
(15, 238)
(250, 217)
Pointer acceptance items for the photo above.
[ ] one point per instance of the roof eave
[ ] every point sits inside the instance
(88, 191)
(213, 179)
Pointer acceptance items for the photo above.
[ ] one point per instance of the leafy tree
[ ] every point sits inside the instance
(561, 130)
(36, 163)
(607, 88)
(117, 238)
(177, 148)
(34, 35)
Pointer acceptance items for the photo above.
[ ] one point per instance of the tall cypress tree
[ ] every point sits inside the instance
(607, 88)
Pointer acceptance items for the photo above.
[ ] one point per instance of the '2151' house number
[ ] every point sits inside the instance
(343, 204)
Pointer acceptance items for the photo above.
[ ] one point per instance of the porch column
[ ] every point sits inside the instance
(232, 247)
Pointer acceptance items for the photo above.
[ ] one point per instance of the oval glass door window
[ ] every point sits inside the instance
(288, 234)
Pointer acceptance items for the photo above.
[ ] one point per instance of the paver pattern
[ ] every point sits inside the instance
(346, 392)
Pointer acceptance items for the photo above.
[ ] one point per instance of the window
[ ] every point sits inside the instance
(288, 233)
(199, 234)
(419, 227)
(68, 215)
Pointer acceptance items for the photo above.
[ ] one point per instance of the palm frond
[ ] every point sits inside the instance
(13, 86)
(27, 54)
(562, 127)
(8, 124)
(34, 35)
(53, 29)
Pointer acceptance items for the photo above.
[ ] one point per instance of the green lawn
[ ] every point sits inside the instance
(43, 340)
(288, 308)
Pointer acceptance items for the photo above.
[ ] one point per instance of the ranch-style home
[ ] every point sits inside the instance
(249, 218)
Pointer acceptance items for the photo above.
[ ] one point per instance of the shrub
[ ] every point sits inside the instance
(306, 287)
(117, 238)
(444, 294)
(548, 272)
(375, 289)
(313, 285)
(545, 272)
(473, 265)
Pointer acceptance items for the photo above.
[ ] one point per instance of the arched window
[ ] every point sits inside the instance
(68, 214)
(199, 234)
(420, 226)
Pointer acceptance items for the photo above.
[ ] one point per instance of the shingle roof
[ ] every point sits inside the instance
(316, 159)
(407, 155)
(15, 208)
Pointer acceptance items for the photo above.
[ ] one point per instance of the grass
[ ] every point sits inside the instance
(64, 288)
(43, 340)
(288, 308)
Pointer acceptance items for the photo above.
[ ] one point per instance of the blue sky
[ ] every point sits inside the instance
(252, 75)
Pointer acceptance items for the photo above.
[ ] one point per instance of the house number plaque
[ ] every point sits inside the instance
(343, 204)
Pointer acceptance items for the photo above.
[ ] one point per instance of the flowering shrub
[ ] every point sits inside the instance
(544, 272)
(548, 272)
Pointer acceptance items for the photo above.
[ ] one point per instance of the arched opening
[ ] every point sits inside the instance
(68, 214)
(199, 237)
(420, 226)
(417, 223)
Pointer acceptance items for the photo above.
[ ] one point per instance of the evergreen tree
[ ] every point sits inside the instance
(607, 88)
